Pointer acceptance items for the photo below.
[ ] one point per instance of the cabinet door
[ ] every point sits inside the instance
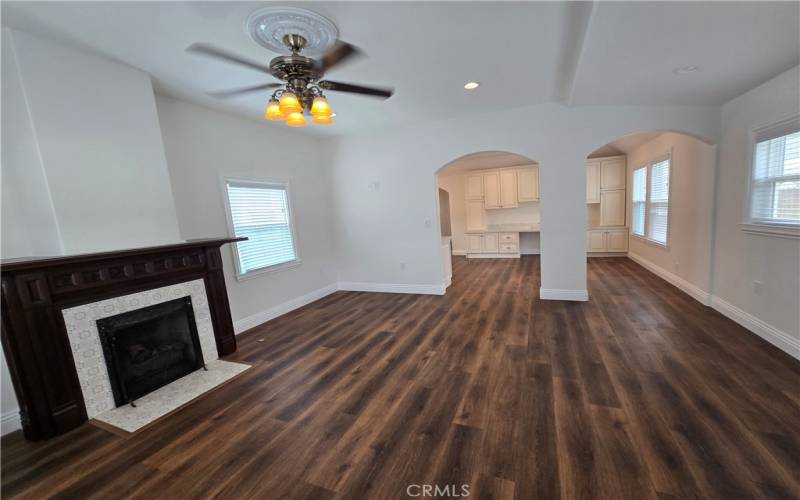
(508, 188)
(476, 217)
(612, 174)
(491, 190)
(490, 243)
(474, 243)
(595, 241)
(475, 187)
(528, 184)
(617, 241)
(612, 207)
(593, 182)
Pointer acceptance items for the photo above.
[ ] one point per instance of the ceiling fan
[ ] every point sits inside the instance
(304, 87)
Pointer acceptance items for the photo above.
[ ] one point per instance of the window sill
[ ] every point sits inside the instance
(648, 241)
(773, 230)
(255, 273)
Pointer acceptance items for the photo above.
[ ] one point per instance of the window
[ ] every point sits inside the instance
(658, 206)
(639, 199)
(775, 181)
(650, 201)
(260, 211)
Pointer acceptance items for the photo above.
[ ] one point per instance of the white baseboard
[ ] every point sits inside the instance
(351, 286)
(458, 252)
(555, 294)
(692, 290)
(774, 336)
(9, 422)
(258, 318)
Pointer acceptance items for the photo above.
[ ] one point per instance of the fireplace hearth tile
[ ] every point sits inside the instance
(158, 403)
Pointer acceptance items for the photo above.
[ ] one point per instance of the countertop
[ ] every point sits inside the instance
(507, 228)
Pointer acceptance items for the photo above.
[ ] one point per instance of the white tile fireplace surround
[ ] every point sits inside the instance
(87, 351)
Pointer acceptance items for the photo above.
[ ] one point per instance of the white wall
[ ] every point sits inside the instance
(741, 259)
(202, 145)
(28, 222)
(99, 140)
(688, 254)
(381, 229)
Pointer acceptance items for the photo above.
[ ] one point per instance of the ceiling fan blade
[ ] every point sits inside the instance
(244, 90)
(338, 54)
(217, 53)
(356, 89)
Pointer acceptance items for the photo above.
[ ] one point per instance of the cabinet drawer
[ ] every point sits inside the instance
(509, 237)
(509, 248)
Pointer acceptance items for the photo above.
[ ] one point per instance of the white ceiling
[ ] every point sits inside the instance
(624, 145)
(485, 159)
(523, 53)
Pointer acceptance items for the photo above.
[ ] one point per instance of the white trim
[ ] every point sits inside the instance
(774, 230)
(774, 336)
(458, 252)
(493, 255)
(10, 422)
(690, 289)
(258, 318)
(555, 294)
(351, 286)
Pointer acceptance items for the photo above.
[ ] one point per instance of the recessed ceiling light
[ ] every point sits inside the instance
(685, 70)
(471, 85)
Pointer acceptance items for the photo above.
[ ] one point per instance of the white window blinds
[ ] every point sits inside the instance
(639, 199)
(775, 184)
(658, 209)
(260, 212)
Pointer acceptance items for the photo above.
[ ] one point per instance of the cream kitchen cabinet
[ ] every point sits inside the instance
(508, 188)
(483, 243)
(607, 240)
(491, 190)
(612, 207)
(476, 216)
(528, 184)
(593, 182)
(475, 187)
(612, 173)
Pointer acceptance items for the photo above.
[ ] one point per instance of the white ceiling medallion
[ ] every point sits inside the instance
(268, 26)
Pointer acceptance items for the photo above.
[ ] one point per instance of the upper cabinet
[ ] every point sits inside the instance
(612, 207)
(593, 181)
(612, 173)
(475, 187)
(508, 188)
(476, 216)
(491, 190)
(528, 184)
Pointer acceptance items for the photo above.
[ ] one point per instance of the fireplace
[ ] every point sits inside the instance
(148, 348)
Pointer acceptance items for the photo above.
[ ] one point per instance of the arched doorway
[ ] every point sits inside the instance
(650, 197)
(488, 207)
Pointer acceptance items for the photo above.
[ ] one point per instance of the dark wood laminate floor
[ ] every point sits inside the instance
(639, 393)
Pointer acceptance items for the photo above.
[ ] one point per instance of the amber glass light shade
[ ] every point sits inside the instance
(289, 104)
(296, 120)
(273, 111)
(322, 120)
(320, 107)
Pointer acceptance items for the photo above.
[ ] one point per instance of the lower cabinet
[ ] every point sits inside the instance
(492, 244)
(607, 240)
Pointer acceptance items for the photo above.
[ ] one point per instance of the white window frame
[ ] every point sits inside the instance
(254, 273)
(761, 226)
(648, 175)
(644, 167)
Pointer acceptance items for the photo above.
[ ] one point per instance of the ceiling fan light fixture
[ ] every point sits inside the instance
(296, 119)
(273, 112)
(320, 107)
(289, 104)
(322, 120)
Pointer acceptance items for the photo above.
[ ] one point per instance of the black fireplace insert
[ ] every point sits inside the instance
(148, 348)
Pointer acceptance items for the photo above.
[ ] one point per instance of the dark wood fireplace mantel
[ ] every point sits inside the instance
(34, 335)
